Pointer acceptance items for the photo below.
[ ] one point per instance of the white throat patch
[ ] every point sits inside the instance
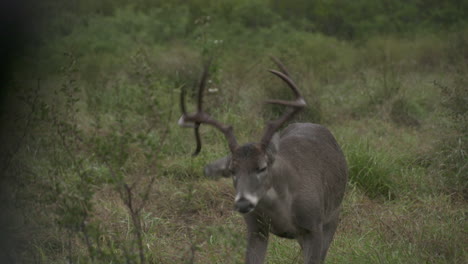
(271, 194)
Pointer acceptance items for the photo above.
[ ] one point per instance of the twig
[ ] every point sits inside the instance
(135, 214)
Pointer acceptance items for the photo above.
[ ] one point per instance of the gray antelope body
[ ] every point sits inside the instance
(290, 184)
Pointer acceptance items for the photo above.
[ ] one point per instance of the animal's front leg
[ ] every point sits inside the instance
(257, 240)
(311, 244)
(256, 248)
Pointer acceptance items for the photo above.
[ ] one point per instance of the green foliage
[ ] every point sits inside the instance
(370, 170)
(255, 14)
(339, 18)
(363, 18)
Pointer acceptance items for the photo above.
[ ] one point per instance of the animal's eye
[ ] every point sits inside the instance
(260, 170)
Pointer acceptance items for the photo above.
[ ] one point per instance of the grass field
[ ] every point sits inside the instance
(99, 172)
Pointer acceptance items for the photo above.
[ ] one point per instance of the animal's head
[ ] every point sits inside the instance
(249, 165)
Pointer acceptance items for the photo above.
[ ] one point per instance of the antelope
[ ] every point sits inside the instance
(290, 183)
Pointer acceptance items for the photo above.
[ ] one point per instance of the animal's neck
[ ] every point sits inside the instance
(279, 196)
(282, 176)
(275, 209)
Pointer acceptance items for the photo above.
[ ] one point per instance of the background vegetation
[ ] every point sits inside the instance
(95, 169)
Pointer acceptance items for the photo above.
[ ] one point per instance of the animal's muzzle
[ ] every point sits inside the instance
(244, 206)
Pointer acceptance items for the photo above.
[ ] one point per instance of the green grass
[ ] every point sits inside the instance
(107, 114)
(371, 171)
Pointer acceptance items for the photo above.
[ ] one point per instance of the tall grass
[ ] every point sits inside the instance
(371, 170)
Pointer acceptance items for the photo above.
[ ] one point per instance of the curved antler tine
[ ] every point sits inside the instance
(182, 122)
(182, 100)
(202, 85)
(200, 106)
(200, 117)
(280, 65)
(286, 79)
(296, 105)
(198, 139)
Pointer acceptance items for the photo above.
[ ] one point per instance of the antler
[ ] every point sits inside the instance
(200, 117)
(297, 105)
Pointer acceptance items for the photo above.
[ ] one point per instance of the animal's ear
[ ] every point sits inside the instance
(218, 168)
(273, 147)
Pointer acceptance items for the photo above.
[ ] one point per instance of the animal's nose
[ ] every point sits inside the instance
(244, 206)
